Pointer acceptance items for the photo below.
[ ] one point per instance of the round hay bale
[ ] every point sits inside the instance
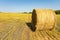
(43, 19)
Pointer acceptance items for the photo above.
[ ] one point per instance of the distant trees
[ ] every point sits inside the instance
(0, 12)
(57, 11)
(27, 12)
(24, 12)
(30, 12)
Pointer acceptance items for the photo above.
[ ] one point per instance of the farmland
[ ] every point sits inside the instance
(14, 23)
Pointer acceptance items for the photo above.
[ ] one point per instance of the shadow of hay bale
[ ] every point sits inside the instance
(31, 26)
(33, 22)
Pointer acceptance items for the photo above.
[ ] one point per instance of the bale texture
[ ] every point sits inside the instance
(43, 19)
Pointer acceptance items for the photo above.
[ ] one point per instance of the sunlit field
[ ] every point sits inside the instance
(26, 17)
(12, 22)
(19, 16)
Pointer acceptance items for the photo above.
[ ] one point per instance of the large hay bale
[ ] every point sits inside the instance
(43, 19)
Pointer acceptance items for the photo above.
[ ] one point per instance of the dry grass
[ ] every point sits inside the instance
(23, 17)
(13, 24)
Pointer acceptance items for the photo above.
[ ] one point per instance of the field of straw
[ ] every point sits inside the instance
(14, 27)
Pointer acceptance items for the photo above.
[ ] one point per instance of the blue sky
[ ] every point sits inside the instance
(27, 5)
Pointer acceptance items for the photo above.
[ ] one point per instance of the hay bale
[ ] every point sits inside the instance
(43, 19)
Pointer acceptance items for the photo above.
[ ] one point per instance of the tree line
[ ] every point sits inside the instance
(57, 11)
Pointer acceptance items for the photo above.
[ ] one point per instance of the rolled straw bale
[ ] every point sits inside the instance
(43, 19)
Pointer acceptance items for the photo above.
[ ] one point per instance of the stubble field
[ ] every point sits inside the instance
(12, 24)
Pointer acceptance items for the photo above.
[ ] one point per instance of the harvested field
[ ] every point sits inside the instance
(14, 27)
